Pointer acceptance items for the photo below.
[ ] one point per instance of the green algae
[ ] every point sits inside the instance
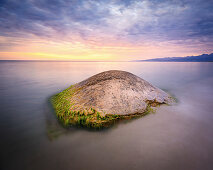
(90, 118)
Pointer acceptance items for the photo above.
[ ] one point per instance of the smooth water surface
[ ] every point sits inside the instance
(178, 137)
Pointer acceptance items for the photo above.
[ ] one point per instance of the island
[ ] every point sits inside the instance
(199, 58)
(105, 98)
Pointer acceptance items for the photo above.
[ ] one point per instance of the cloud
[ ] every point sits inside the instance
(133, 22)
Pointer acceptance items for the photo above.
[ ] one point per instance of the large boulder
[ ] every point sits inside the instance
(107, 96)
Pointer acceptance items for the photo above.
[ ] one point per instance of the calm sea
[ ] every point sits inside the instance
(178, 137)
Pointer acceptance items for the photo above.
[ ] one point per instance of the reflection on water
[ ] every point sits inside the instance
(53, 127)
(175, 137)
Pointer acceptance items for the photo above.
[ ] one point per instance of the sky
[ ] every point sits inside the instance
(104, 30)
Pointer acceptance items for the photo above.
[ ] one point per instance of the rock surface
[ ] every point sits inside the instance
(118, 92)
(108, 93)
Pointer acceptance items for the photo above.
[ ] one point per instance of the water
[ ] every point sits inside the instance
(175, 137)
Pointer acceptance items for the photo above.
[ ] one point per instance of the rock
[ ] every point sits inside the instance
(107, 96)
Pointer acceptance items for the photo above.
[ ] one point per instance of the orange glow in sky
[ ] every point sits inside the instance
(83, 51)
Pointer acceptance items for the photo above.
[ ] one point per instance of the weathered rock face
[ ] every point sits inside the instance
(118, 92)
(105, 97)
